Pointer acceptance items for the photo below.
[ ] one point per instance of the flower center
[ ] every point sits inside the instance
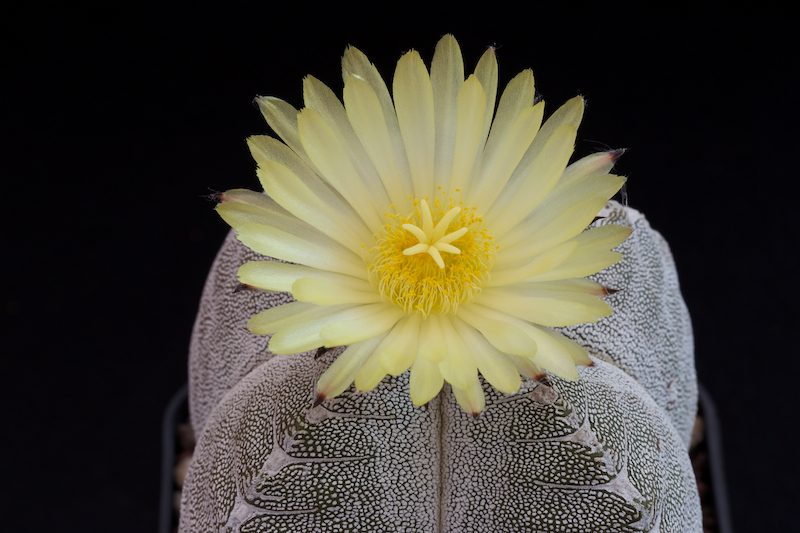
(433, 259)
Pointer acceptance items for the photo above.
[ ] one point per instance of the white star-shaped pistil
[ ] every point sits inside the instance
(432, 238)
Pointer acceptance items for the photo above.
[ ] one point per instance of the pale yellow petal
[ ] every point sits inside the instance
(447, 77)
(326, 292)
(297, 198)
(495, 367)
(555, 356)
(397, 357)
(301, 338)
(574, 188)
(307, 335)
(282, 118)
(517, 96)
(366, 116)
(327, 152)
(567, 194)
(240, 214)
(241, 206)
(459, 367)
(504, 336)
(265, 149)
(569, 113)
(526, 366)
(551, 354)
(373, 320)
(528, 183)
(486, 72)
(570, 191)
(355, 63)
(577, 290)
(541, 264)
(575, 350)
(490, 183)
(321, 254)
(592, 254)
(321, 99)
(252, 198)
(413, 98)
(260, 210)
(599, 163)
(566, 294)
(342, 372)
(471, 399)
(425, 381)
(287, 315)
(469, 136)
(533, 183)
(564, 227)
(373, 372)
(275, 276)
(585, 287)
(548, 309)
(432, 345)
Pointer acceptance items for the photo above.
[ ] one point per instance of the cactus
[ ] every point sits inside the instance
(605, 453)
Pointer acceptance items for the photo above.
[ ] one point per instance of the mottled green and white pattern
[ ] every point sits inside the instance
(606, 453)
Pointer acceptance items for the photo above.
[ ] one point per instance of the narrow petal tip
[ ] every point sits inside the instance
(475, 415)
(320, 352)
(214, 196)
(242, 287)
(608, 291)
(616, 154)
(319, 399)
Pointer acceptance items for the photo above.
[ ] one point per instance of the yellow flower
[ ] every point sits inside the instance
(423, 234)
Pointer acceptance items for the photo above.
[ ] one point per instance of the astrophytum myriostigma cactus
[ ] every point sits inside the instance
(605, 453)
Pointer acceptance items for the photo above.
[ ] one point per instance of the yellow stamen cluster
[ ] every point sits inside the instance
(432, 260)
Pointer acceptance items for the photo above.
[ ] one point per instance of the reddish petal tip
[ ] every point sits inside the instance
(215, 196)
(609, 291)
(319, 399)
(616, 154)
(242, 287)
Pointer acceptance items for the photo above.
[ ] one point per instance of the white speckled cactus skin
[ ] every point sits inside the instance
(606, 453)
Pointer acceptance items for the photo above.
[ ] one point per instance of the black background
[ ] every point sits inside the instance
(119, 118)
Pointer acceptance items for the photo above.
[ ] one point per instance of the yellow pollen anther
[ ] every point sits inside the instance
(432, 260)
